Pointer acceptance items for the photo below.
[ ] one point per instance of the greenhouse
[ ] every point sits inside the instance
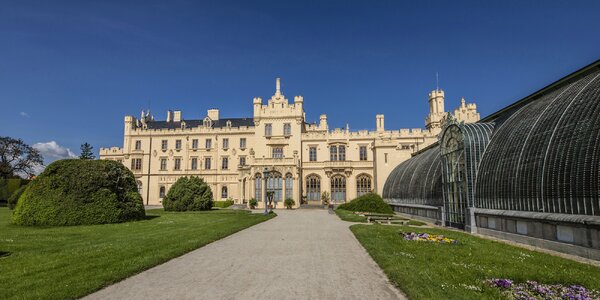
(529, 172)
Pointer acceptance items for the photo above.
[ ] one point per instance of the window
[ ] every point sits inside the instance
(136, 164)
(289, 186)
(333, 153)
(195, 144)
(258, 187)
(225, 163)
(287, 129)
(207, 163)
(338, 189)
(312, 154)
(268, 129)
(163, 164)
(362, 153)
(164, 145)
(242, 161)
(313, 188)
(243, 143)
(178, 144)
(277, 152)
(225, 143)
(138, 145)
(224, 192)
(275, 185)
(342, 152)
(363, 185)
(194, 163)
(177, 164)
(161, 193)
(208, 144)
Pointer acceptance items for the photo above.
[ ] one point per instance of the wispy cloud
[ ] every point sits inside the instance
(24, 114)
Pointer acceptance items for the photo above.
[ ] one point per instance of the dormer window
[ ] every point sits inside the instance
(207, 122)
(228, 124)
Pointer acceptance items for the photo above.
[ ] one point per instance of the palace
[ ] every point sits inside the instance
(303, 159)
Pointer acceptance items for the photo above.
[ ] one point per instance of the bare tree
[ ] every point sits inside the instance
(18, 158)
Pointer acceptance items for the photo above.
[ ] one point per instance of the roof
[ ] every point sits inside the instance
(235, 122)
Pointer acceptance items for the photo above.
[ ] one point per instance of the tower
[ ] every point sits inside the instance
(436, 109)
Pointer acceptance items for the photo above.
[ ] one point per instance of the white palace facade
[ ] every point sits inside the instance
(303, 159)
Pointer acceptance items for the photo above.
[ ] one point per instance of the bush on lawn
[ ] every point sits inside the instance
(188, 193)
(253, 203)
(9, 187)
(78, 192)
(14, 198)
(223, 204)
(370, 202)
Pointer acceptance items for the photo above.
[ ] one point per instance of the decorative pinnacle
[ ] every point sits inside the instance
(277, 86)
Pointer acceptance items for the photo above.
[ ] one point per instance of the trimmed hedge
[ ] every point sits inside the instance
(223, 204)
(80, 192)
(188, 193)
(370, 202)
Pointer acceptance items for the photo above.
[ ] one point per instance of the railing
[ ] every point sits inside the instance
(339, 164)
(273, 161)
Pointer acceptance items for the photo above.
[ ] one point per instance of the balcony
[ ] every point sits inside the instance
(338, 164)
(273, 161)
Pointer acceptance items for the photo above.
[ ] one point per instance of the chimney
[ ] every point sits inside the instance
(213, 114)
(380, 124)
(177, 116)
(169, 116)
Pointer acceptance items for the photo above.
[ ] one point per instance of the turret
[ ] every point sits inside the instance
(323, 122)
(436, 109)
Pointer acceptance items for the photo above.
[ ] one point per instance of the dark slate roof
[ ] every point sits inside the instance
(235, 122)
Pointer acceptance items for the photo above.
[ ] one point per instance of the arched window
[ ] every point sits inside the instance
(289, 186)
(275, 184)
(338, 189)
(313, 188)
(162, 192)
(224, 192)
(139, 186)
(258, 187)
(363, 185)
(207, 122)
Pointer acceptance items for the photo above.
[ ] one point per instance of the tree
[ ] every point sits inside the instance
(86, 152)
(18, 158)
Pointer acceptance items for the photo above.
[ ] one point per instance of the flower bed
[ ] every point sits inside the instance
(532, 290)
(425, 237)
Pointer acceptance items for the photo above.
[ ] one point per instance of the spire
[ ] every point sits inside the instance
(277, 86)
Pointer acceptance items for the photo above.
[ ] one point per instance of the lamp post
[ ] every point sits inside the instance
(266, 173)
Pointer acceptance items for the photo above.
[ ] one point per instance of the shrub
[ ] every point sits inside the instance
(14, 198)
(253, 203)
(325, 197)
(77, 192)
(289, 203)
(370, 202)
(9, 186)
(223, 204)
(188, 193)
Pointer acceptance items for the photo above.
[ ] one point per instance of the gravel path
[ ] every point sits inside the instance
(300, 254)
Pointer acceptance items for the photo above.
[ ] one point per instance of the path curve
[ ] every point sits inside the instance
(300, 254)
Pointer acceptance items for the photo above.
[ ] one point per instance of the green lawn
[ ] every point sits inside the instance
(425, 270)
(349, 216)
(70, 262)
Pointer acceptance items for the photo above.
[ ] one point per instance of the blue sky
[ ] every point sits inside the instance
(70, 70)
